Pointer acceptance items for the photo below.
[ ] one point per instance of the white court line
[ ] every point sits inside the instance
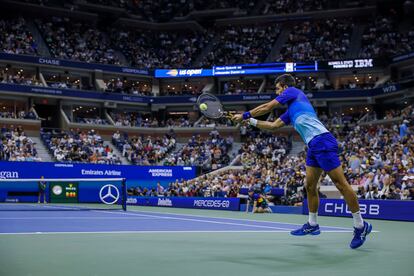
(340, 230)
(252, 220)
(164, 232)
(39, 206)
(63, 218)
(198, 220)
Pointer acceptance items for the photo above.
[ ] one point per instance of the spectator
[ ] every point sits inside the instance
(403, 129)
(16, 146)
(15, 38)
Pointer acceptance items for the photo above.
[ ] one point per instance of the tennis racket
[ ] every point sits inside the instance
(214, 108)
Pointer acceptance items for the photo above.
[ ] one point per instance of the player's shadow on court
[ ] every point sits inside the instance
(312, 247)
(311, 255)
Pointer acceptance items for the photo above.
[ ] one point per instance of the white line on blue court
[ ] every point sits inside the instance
(239, 219)
(340, 230)
(197, 220)
(65, 218)
(164, 232)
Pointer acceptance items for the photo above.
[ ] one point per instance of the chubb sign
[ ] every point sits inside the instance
(377, 209)
(342, 207)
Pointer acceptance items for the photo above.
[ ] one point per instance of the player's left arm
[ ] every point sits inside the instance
(257, 111)
(264, 108)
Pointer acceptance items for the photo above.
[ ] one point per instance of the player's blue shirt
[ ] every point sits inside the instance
(301, 113)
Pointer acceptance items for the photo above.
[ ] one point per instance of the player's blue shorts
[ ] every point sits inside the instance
(323, 152)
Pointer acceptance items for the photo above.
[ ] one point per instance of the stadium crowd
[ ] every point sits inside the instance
(234, 87)
(317, 40)
(293, 6)
(260, 148)
(210, 153)
(94, 121)
(164, 11)
(128, 87)
(149, 49)
(16, 145)
(381, 38)
(78, 40)
(206, 122)
(181, 90)
(242, 44)
(16, 38)
(79, 146)
(31, 115)
(137, 119)
(144, 150)
(18, 77)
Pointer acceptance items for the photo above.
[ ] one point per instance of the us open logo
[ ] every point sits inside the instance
(57, 190)
(109, 194)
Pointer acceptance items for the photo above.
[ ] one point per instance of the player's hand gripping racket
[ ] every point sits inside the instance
(211, 107)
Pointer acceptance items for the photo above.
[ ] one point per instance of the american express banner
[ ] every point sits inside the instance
(373, 209)
(216, 203)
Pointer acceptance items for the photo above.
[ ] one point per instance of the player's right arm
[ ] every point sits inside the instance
(265, 125)
(283, 120)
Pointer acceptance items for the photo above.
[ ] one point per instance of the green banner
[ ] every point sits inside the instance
(63, 192)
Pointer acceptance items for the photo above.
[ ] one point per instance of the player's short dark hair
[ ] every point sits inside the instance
(286, 80)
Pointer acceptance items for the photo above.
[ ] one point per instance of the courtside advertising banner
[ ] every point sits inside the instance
(373, 209)
(215, 203)
(143, 176)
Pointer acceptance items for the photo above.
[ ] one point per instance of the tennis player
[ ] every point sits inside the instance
(322, 153)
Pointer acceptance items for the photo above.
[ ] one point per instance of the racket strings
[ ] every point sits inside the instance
(214, 107)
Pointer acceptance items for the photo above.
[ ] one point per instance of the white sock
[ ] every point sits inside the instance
(312, 218)
(358, 220)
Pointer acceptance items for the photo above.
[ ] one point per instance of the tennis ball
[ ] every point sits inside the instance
(203, 107)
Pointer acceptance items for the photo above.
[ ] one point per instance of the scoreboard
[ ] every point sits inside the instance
(63, 192)
(268, 68)
(265, 68)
